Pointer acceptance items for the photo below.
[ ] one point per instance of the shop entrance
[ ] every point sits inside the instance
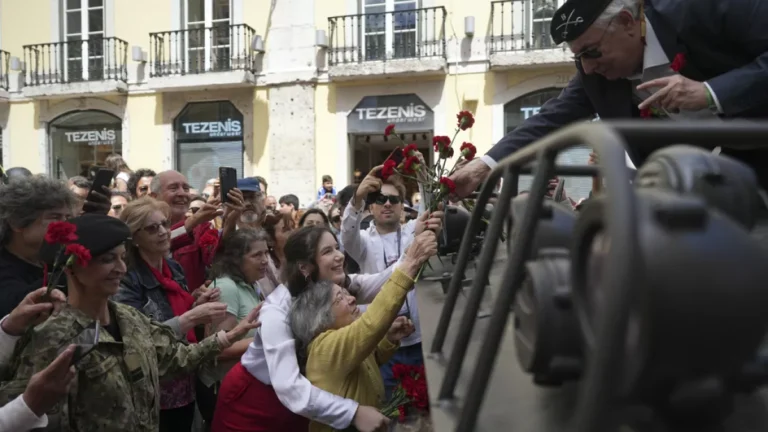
(82, 140)
(371, 150)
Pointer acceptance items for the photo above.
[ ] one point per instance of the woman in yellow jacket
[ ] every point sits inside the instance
(345, 347)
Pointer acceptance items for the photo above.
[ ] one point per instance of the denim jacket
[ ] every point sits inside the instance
(140, 289)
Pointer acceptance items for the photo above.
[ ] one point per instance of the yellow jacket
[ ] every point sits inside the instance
(346, 361)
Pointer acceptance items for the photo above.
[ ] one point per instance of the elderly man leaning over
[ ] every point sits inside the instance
(47, 387)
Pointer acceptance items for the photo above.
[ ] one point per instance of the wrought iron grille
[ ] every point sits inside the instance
(521, 25)
(199, 50)
(400, 34)
(93, 59)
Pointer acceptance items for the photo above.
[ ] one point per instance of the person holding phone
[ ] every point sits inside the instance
(47, 387)
(118, 381)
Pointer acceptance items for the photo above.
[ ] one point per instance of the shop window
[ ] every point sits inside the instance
(209, 135)
(84, 34)
(208, 40)
(390, 28)
(82, 140)
(515, 113)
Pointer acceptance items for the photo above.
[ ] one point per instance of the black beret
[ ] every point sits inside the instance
(574, 18)
(96, 232)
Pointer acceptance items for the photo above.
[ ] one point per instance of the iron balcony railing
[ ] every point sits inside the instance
(92, 59)
(5, 62)
(202, 49)
(402, 34)
(521, 25)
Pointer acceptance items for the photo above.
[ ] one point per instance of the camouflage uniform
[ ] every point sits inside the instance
(118, 382)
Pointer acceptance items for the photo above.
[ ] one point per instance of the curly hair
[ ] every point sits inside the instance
(25, 199)
(137, 175)
(229, 258)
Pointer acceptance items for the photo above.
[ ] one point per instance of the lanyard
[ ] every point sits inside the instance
(384, 250)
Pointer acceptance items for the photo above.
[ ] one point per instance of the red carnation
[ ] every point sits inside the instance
(410, 150)
(209, 238)
(388, 169)
(466, 120)
(442, 146)
(411, 165)
(388, 130)
(399, 371)
(447, 184)
(646, 113)
(79, 253)
(61, 232)
(678, 63)
(468, 150)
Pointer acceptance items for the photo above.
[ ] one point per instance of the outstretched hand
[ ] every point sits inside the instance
(468, 178)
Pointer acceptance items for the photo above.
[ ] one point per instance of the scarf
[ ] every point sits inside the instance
(181, 301)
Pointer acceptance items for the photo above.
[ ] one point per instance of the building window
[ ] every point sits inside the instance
(209, 135)
(541, 17)
(390, 28)
(84, 34)
(517, 111)
(82, 140)
(208, 41)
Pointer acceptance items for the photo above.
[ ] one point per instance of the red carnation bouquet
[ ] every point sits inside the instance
(433, 178)
(64, 234)
(410, 395)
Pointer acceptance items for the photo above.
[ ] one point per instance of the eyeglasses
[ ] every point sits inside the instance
(117, 207)
(144, 189)
(336, 219)
(593, 52)
(155, 228)
(341, 296)
(382, 199)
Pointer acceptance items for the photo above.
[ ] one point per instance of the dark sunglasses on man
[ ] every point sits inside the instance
(382, 199)
(117, 207)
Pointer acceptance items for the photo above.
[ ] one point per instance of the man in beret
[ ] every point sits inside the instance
(677, 59)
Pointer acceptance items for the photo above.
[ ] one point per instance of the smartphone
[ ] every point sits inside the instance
(83, 349)
(102, 178)
(558, 195)
(396, 155)
(228, 181)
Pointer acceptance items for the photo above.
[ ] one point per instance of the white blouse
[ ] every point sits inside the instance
(16, 415)
(271, 358)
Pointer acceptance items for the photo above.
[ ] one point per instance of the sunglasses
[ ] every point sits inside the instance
(594, 52)
(117, 207)
(382, 199)
(155, 228)
(336, 219)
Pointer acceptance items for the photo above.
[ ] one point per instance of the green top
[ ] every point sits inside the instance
(240, 298)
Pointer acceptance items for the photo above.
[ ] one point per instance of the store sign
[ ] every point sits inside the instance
(529, 111)
(215, 129)
(92, 137)
(407, 112)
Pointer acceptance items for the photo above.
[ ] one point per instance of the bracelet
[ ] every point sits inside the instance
(711, 104)
(223, 340)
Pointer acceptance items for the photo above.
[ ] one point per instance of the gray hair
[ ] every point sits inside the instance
(312, 312)
(156, 185)
(615, 8)
(25, 199)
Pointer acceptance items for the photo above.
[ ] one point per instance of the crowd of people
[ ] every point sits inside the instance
(248, 312)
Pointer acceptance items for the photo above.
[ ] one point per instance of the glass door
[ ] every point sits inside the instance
(208, 41)
(83, 49)
(389, 29)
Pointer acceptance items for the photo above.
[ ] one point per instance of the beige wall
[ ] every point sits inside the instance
(25, 22)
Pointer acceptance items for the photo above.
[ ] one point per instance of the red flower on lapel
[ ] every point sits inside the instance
(646, 113)
(678, 63)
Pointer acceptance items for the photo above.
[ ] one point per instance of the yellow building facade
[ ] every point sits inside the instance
(287, 89)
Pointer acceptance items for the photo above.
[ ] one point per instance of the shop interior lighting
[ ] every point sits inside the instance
(138, 55)
(16, 64)
(469, 26)
(257, 44)
(321, 39)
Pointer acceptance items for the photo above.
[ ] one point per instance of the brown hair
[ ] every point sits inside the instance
(397, 182)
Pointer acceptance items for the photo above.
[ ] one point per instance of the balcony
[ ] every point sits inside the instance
(5, 62)
(519, 34)
(94, 66)
(404, 42)
(203, 56)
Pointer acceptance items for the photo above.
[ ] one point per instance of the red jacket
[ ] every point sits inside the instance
(193, 258)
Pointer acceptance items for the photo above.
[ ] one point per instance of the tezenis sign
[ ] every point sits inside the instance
(374, 113)
(228, 128)
(92, 138)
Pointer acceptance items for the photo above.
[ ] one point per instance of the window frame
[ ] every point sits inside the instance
(84, 35)
(389, 32)
(208, 23)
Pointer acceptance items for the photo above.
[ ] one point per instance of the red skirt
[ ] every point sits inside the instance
(245, 404)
